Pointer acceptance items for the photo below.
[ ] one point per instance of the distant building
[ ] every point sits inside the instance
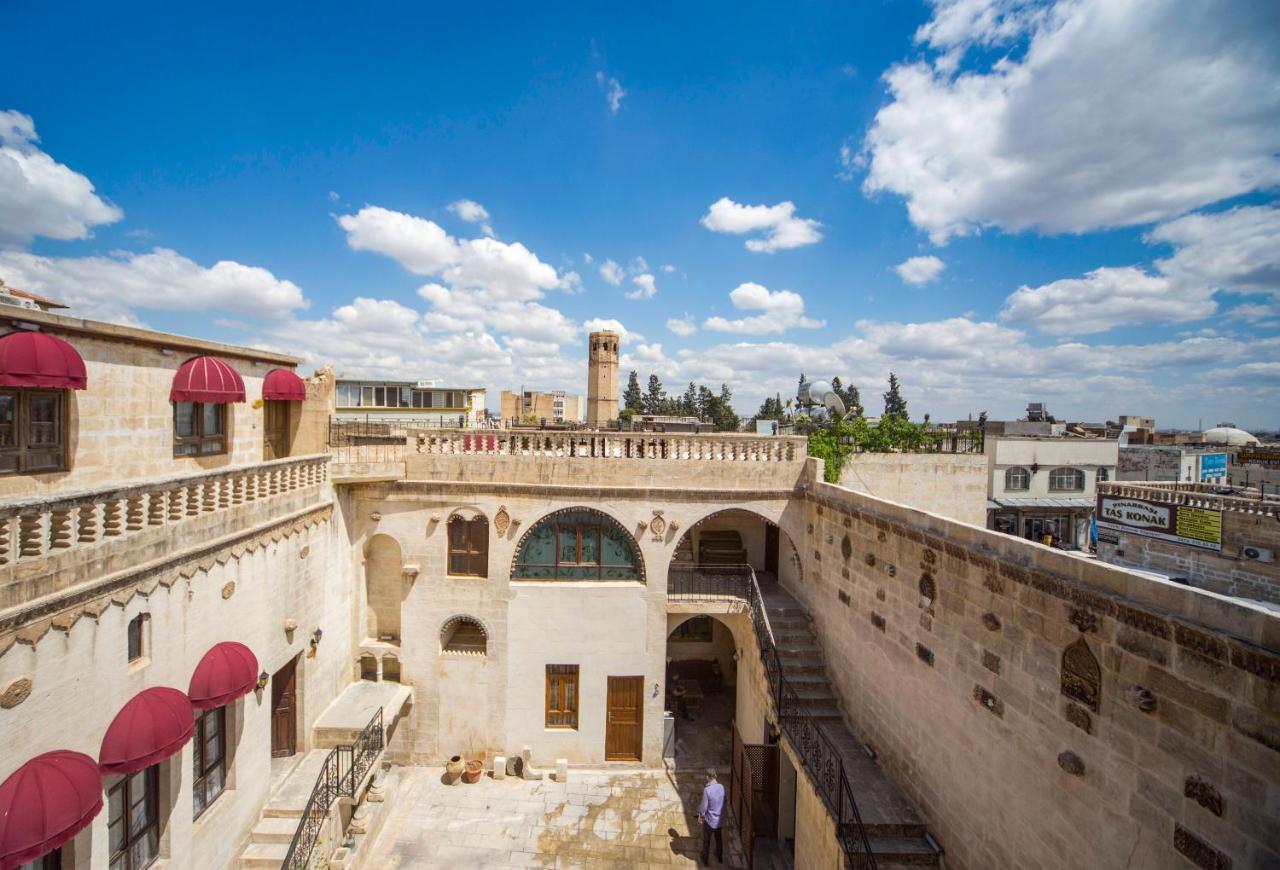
(1041, 485)
(602, 379)
(1129, 421)
(1172, 464)
(421, 403)
(555, 406)
(1192, 533)
(665, 423)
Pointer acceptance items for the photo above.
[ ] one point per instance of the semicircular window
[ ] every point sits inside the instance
(577, 544)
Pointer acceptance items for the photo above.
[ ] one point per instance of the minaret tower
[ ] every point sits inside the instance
(602, 379)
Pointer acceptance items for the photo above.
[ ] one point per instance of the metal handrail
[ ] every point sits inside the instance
(342, 772)
(819, 755)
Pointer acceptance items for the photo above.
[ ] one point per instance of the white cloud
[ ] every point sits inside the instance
(779, 225)
(600, 324)
(646, 287)
(420, 245)
(40, 196)
(473, 213)
(682, 326)
(612, 272)
(333, 196)
(919, 270)
(571, 282)
(668, 268)
(1236, 251)
(782, 310)
(375, 315)
(613, 92)
(1116, 114)
(109, 288)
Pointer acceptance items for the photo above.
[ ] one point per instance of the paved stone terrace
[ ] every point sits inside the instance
(596, 820)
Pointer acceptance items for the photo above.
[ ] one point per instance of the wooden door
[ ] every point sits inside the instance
(624, 719)
(284, 710)
(275, 427)
(771, 548)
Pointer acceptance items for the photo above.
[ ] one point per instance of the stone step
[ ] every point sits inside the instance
(818, 694)
(264, 855)
(275, 829)
(901, 851)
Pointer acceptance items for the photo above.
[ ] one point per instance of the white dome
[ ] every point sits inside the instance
(1229, 436)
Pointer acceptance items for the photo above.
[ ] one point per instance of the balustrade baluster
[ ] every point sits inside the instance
(31, 535)
(112, 518)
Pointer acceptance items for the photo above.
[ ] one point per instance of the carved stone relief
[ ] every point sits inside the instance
(1204, 794)
(15, 693)
(928, 591)
(658, 526)
(1140, 698)
(1080, 718)
(846, 547)
(1071, 763)
(1084, 619)
(991, 621)
(228, 589)
(502, 521)
(1081, 675)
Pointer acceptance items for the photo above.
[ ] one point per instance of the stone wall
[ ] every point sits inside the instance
(1044, 709)
(80, 675)
(121, 427)
(952, 485)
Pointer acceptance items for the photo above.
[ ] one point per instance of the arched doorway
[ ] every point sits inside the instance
(701, 680)
(736, 536)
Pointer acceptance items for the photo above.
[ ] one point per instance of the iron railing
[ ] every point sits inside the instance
(343, 770)
(819, 755)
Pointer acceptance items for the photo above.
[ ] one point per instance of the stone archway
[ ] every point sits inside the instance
(702, 656)
(740, 536)
(384, 588)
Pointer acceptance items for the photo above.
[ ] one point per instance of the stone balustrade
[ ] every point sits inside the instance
(1197, 495)
(36, 528)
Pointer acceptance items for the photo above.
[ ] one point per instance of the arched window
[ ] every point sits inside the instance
(1017, 479)
(469, 546)
(1066, 480)
(577, 544)
(462, 634)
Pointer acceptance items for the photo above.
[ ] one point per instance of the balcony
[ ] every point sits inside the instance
(588, 458)
(73, 541)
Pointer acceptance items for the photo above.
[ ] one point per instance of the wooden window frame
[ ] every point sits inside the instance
(200, 440)
(475, 557)
(562, 715)
(137, 628)
(202, 767)
(151, 786)
(21, 448)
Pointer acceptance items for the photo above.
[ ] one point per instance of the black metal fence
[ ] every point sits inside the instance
(343, 770)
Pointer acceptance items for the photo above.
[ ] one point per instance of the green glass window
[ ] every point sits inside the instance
(577, 544)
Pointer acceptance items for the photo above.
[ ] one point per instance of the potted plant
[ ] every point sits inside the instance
(471, 773)
(453, 769)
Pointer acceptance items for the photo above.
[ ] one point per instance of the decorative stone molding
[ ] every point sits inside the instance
(1198, 851)
(1204, 794)
(290, 626)
(991, 622)
(411, 571)
(1084, 619)
(658, 526)
(1081, 675)
(1071, 763)
(989, 701)
(32, 624)
(1140, 698)
(1079, 717)
(375, 516)
(15, 693)
(228, 589)
(501, 521)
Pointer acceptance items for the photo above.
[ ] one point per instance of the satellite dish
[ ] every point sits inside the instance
(818, 395)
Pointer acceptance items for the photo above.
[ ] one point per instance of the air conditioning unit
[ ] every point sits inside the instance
(1258, 554)
(18, 301)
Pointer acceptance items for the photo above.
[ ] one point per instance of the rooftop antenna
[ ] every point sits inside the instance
(819, 399)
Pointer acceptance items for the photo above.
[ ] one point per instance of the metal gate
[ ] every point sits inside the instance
(753, 792)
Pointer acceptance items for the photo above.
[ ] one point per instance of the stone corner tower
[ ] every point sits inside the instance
(602, 379)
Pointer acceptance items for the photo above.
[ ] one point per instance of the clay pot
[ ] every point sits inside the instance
(453, 769)
(474, 768)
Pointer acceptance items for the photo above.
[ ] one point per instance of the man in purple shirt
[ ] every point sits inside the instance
(710, 814)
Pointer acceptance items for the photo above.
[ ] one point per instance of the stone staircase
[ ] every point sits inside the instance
(894, 826)
(270, 838)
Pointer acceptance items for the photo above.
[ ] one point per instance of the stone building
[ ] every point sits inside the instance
(1041, 485)
(602, 379)
(555, 406)
(1172, 464)
(241, 656)
(408, 403)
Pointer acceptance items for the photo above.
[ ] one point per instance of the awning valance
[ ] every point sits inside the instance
(36, 359)
(228, 671)
(155, 724)
(282, 385)
(45, 803)
(209, 380)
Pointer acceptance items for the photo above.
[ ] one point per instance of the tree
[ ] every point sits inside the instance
(853, 402)
(655, 397)
(800, 385)
(632, 398)
(895, 407)
(689, 401)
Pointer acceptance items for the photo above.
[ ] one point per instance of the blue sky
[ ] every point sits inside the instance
(1000, 200)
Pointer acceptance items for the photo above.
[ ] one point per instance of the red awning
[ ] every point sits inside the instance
(155, 724)
(284, 386)
(228, 671)
(207, 379)
(36, 359)
(45, 803)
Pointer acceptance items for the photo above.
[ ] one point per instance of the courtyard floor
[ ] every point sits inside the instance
(602, 819)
